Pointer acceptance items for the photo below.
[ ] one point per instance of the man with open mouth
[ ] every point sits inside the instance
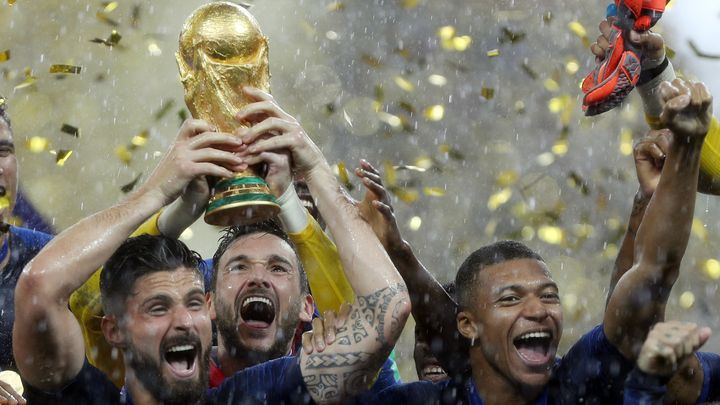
(157, 315)
(508, 306)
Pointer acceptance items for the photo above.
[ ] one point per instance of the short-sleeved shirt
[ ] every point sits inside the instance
(24, 245)
(592, 372)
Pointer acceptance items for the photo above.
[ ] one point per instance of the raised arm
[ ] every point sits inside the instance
(656, 69)
(649, 156)
(47, 340)
(433, 309)
(641, 294)
(382, 305)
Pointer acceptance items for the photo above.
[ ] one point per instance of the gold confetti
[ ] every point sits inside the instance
(493, 53)
(670, 52)
(37, 144)
(434, 112)
(335, 6)
(551, 234)
(560, 148)
(70, 130)
(343, 174)
(410, 168)
(404, 84)
(154, 49)
(130, 186)
(545, 159)
(5, 55)
(111, 40)
(488, 93)
(103, 17)
(4, 202)
(507, 178)
(461, 43)
(110, 6)
(424, 162)
(11, 2)
(135, 17)
(415, 223)
(580, 31)
(65, 69)
(687, 300)
(572, 67)
(392, 120)
(446, 33)
(29, 80)
(371, 60)
(626, 142)
(699, 229)
(406, 195)
(409, 4)
(390, 173)
(551, 85)
(437, 80)
(61, 156)
(124, 154)
(434, 191)
(712, 269)
(499, 199)
(583, 230)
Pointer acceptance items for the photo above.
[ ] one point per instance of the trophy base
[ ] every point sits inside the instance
(241, 200)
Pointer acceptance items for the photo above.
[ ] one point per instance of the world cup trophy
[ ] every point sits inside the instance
(221, 50)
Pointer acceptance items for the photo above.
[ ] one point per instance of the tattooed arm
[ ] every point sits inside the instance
(381, 305)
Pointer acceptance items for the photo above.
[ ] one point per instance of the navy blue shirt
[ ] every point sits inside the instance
(24, 245)
(592, 372)
(275, 382)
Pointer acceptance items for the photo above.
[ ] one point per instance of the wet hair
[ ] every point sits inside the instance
(269, 227)
(138, 257)
(489, 255)
(3, 110)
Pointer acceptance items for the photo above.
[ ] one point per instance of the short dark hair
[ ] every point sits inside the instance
(489, 255)
(270, 227)
(137, 257)
(3, 110)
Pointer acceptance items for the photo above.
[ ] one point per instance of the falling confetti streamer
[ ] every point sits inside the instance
(65, 69)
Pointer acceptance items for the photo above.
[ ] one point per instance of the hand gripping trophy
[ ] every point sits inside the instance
(221, 50)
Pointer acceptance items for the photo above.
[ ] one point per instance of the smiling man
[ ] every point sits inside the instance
(508, 309)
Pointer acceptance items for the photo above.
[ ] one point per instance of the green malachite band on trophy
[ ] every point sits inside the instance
(235, 181)
(240, 198)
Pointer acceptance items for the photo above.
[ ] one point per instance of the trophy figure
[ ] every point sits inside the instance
(221, 50)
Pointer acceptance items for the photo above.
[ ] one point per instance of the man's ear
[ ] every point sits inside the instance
(308, 308)
(209, 298)
(111, 330)
(467, 326)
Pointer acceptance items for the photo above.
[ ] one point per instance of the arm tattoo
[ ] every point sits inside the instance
(361, 346)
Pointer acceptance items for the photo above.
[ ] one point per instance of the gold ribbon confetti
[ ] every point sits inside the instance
(5, 55)
(70, 130)
(65, 69)
(61, 156)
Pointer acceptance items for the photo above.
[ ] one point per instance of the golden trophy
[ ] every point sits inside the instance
(221, 50)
